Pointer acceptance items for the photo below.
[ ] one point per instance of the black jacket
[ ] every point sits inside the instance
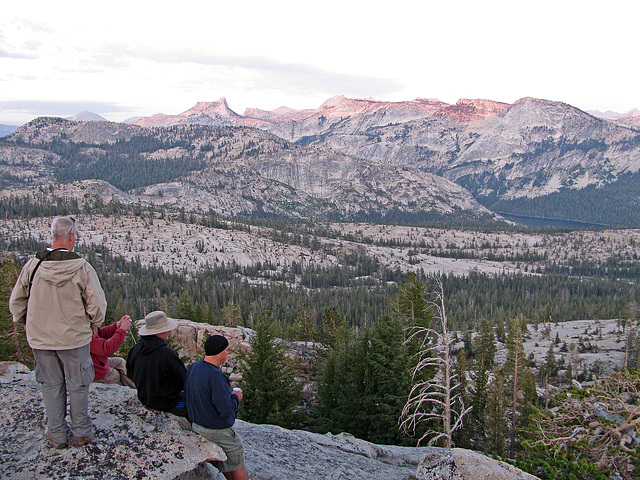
(157, 372)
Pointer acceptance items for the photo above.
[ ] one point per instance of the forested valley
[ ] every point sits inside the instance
(369, 320)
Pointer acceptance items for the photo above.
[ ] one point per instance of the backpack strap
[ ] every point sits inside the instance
(33, 273)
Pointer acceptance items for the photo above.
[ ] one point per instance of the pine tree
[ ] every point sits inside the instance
(630, 317)
(516, 371)
(333, 328)
(166, 305)
(485, 344)
(479, 399)
(485, 350)
(411, 301)
(364, 383)
(330, 387)
(549, 368)
(382, 382)
(500, 329)
(185, 309)
(632, 349)
(303, 328)
(495, 419)
(271, 392)
(461, 437)
(337, 386)
(231, 314)
(569, 373)
(13, 340)
(120, 309)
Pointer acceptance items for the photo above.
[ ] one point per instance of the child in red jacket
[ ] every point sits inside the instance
(108, 340)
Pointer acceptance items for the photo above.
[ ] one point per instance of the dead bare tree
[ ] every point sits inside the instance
(434, 399)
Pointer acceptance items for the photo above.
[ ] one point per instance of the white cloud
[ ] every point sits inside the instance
(140, 58)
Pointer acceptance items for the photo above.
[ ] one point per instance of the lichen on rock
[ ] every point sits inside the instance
(130, 441)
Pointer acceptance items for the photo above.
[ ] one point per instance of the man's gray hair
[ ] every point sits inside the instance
(62, 227)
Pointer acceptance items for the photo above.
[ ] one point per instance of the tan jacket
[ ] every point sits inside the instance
(66, 301)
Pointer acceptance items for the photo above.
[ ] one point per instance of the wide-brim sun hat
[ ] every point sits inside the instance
(156, 322)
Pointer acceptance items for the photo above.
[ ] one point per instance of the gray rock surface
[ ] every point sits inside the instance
(460, 464)
(273, 453)
(134, 442)
(130, 441)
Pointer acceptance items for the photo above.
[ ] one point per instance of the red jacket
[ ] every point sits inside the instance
(105, 344)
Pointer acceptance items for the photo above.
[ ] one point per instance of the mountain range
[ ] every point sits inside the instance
(353, 158)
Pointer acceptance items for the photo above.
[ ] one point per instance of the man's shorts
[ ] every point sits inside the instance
(230, 443)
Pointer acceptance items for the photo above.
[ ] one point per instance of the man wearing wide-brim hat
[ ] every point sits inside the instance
(155, 368)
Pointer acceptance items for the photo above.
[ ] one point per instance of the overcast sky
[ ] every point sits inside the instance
(121, 59)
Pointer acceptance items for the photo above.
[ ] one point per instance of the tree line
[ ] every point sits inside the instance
(364, 386)
(404, 380)
(359, 293)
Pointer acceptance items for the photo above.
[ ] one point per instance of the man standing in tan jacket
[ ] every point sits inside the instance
(59, 296)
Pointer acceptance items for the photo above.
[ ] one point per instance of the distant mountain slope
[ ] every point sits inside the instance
(86, 116)
(539, 147)
(499, 152)
(230, 170)
(615, 204)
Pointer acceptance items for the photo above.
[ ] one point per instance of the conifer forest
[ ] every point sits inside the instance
(404, 354)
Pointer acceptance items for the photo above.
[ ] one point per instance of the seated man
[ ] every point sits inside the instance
(212, 405)
(106, 342)
(155, 368)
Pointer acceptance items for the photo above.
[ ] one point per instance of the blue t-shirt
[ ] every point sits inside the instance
(208, 398)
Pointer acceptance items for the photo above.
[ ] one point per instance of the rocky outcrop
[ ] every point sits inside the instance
(130, 441)
(134, 442)
(460, 464)
(289, 123)
(307, 456)
(539, 146)
(188, 340)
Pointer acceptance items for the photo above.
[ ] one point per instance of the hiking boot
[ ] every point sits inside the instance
(80, 441)
(54, 444)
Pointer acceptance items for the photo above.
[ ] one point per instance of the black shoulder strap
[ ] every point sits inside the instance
(33, 273)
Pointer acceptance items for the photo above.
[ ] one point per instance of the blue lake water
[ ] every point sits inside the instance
(550, 222)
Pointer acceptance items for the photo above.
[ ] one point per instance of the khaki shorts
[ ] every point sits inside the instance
(229, 442)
